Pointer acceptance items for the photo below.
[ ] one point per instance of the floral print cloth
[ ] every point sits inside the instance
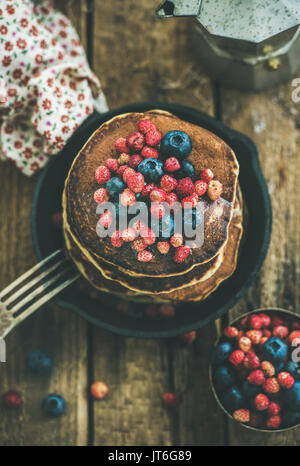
(46, 86)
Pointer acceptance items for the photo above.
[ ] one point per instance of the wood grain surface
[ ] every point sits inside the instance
(140, 58)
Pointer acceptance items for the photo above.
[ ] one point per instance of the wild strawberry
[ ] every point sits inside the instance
(255, 336)
(265, 319)
(242, 415)
(256, 377)
(271, 385)
(148, 235)
(240, 334)
(267, 333)
(138, 226)
(121, 145)
(128, 235)
(176, 240)
(273, 409)
(200, 187)
(135, 160)
(189, 338)
(236, 358)
(244, 343)
(268, 368)
(251, 361)
(101, 195)
(207, 175)
(189, 202)
(181, 254)
(106, 219)
(185, 187)
(158, 195)
(123, 159)
(127, 198)
(172, 165)
(136, 182)
(135, 141)
(231, 332)
(281, 331)
(157, 210)
(163, 247)
(121, 170)
(149, 152)
(171, 198)
(146, 125)
(127, 173)
(102, 174)
(116, 239)
(263, 341)
(256, 420)
(255, 321)
(286, 380)
(170, 399)
(147, 189)
(112, 164)
(168, 183)
(139, 244)
(99, 390)
(261, 402)
(167, 310)
(153, 137)
(273, 422)
(145, 256)
(293, 337)
(214, 189)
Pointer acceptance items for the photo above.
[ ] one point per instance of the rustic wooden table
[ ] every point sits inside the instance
(140, 58)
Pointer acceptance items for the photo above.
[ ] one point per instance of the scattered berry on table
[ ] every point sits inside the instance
(99, 390)
(54, 405)
(12, 399)
(170, 399)
(39, 362)
(189, 338)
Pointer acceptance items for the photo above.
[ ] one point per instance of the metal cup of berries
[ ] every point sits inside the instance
(255, 370)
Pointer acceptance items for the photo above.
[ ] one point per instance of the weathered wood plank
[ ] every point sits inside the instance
(271, 119)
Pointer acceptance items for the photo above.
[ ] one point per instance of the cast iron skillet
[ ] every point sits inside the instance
(47, 199)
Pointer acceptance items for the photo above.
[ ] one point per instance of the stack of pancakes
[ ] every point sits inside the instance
(116, 270)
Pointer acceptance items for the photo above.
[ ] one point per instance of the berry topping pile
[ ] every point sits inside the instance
(151, 168)
(255, 370)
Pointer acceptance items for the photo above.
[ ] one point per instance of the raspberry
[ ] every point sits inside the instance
(128, 235)
(189, 338)
(207, 175)
(158, 195)
(144, 256)
(214, 189)
(273, 422)
(295, 335)
(251, 361)
(244, 343)
(171, 198)
(149, 152)
(181, 253)
(135, 141)
(167, 183)
(286, 380)
(185, 187)
(116, 239)
(127, 198)
(153, 137)
(121, 170)
(261, 402)
(271, 385)
(157, 210)
(256, 377)
(102, 174)
(12, 399)
(200, 187)
(146, 125)
(170, 399)
(167, 310)
(273, 409)
(237, 357)
(163, 247)
(280, 331)
(268, 368)
(189, 202)
(124, 158)
(147, 189)
(99, 390)
(135, 182)
(101, 195)
(172, 165)
(176, 240)
(127, 173)
(255, 321)
(135, 160)
(112, 164)
(242, 415)
(255, 336)
(139, 244)
(106, 219)
(121, 145)
(256, 420)
(148, 235)
(231, 332)
(266, 320)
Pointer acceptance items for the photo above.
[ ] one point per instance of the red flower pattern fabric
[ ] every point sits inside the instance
(46, 86)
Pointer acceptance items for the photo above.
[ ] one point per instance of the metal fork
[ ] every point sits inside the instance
(33, 289)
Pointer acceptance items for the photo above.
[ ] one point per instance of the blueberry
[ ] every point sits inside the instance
(290, 418)
(294, 369)
(224, 376)
(221, 352)
(233, 399)
(115, 186)
(292, 397)
(54, 405)
(175, 144)
(192, 218)
(187, 170)
(275, 350)
(163, 227)
(152, 169)
(249, 390)
(39, 362)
